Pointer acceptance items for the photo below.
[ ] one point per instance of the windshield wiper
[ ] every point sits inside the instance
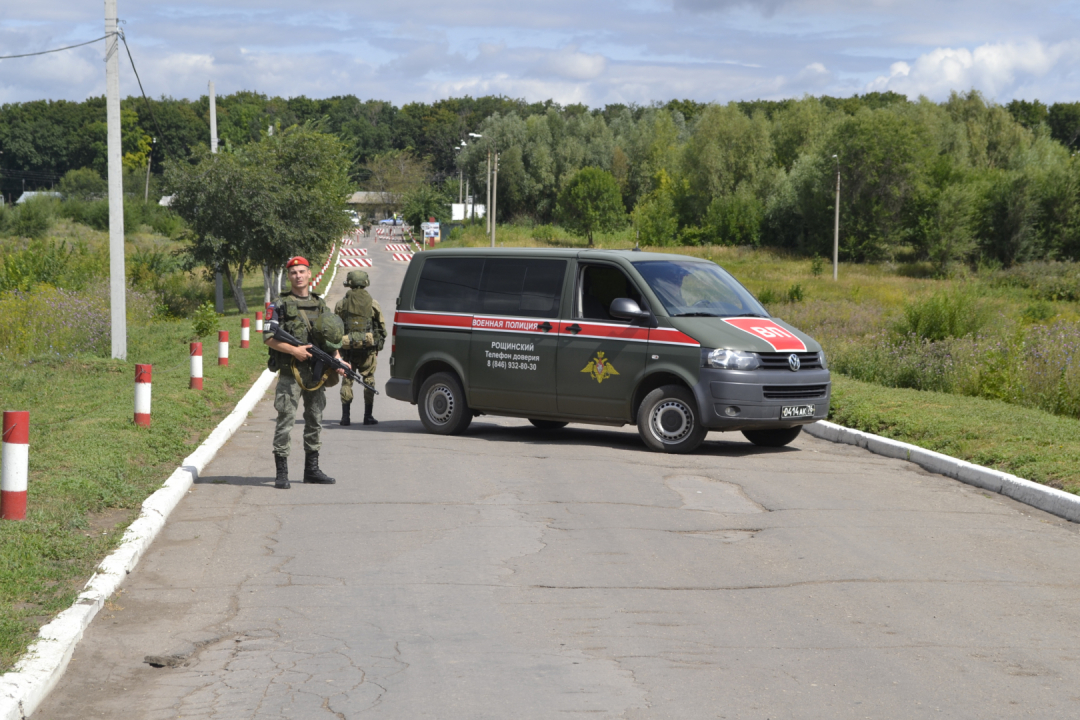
(695, 314)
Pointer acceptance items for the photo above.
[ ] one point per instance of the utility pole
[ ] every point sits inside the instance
(494, 196)
(219, 285)
(149, 159)
(836, 225)
(487, 184)
(117, 275)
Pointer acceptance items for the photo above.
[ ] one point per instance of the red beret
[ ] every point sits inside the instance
(298, 260)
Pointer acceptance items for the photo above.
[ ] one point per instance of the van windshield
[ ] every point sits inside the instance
(698, 289)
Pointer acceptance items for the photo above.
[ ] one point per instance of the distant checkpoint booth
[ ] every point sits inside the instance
(375, 205)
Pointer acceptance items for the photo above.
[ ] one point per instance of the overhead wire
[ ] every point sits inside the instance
(46, 52)
(149, 109)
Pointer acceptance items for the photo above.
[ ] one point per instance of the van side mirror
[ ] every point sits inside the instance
(627, 309)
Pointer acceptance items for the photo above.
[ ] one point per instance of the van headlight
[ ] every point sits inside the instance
(821, 359)
(733, 360)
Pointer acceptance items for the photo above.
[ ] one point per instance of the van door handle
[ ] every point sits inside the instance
(574, 329)
(545, 326)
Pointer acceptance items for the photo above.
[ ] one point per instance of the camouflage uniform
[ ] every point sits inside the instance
(366, 335)
(298, 317)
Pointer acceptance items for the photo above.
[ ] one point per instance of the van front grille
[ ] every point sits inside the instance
(793, 392)
(779, 361)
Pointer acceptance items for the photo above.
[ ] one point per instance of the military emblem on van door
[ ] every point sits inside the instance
(600, 368)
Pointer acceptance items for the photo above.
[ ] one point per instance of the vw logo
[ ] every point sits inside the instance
(793, 362)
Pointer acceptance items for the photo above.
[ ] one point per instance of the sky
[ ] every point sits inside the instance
(593, 51)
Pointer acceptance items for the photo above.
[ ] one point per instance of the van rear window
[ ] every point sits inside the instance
(450, 285)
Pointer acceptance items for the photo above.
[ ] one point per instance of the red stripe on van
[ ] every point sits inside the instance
(433, 320)
(602, 330)
(671, 336)
(777, 336)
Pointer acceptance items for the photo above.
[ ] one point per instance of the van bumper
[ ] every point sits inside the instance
(754, 400)
(399, 389)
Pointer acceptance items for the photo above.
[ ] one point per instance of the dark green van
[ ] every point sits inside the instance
(669, 342)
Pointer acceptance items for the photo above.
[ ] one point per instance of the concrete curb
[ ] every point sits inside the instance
(36, 674)
(1051, 500)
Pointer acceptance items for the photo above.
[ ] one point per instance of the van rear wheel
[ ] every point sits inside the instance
(773, 438)
(442, 405)
(668, 420)
(548, 424)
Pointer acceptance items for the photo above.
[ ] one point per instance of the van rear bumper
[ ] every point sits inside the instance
(399, 389)
(754, 400)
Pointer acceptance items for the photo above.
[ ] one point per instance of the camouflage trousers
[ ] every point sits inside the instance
(287, 401)
(363, 363)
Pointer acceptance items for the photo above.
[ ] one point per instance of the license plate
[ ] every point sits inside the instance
(796, 411)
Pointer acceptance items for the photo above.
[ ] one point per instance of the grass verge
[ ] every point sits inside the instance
(91, 467)
(1026, 442)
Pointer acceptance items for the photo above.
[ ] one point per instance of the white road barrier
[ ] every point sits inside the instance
(142, 394)
(354, 262)
(15, 467)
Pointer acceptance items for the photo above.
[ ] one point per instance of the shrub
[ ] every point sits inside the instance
(83, 184)
(544, 234)
(33, 219)
(794, 293)
(205, 321)
(945, 314)
(817, 266)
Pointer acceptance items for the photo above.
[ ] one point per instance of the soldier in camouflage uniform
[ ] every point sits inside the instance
(365, 336)
(303, 314)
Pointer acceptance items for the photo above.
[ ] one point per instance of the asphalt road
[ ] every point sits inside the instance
(513, 573)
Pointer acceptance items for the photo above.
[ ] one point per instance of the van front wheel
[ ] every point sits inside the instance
(442, 405)
(668, 421)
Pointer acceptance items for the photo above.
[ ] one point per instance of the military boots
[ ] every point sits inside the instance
(345, 410)
(368, 419)
(281, 482)
(312, 473)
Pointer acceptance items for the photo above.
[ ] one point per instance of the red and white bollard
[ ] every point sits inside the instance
(258, 322)
(245, 333)
(223, 347)
(142, 395)
(196, 366)
(15, 469)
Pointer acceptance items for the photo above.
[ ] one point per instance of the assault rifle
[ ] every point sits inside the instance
(321, 358)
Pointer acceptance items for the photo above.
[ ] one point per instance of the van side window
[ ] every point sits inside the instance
(523, 287)
(600, 284)
(450, 285)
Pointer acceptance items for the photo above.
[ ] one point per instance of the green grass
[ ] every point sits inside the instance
(1029, 443)
(91, 467)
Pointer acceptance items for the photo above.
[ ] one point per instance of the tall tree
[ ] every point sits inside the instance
(590, 202)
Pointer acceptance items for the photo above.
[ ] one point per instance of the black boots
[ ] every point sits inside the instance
(368, 419)
(312, 473)
(281, 482)
(345, 409)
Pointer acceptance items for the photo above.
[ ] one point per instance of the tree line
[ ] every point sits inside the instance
(960, 180)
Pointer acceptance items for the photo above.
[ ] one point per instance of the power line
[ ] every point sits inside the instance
(46, 52)
(145, 99)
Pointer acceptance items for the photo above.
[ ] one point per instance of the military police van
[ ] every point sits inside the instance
(671, 343)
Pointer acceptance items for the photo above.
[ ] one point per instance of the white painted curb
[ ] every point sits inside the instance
(36, 674)
(1051, 500)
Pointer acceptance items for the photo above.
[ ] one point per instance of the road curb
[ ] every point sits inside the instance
(1051, 500)
(36, 674)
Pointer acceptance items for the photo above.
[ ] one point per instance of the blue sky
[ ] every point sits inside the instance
(596, 52)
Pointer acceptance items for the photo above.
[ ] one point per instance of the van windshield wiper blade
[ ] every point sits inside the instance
(696, 314)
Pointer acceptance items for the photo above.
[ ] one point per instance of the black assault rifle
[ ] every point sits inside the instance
(321, 358)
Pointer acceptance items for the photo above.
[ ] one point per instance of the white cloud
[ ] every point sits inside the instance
(995, 69)
(573, 65)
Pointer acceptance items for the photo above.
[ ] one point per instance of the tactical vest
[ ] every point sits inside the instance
(297, 316)
(356, 311)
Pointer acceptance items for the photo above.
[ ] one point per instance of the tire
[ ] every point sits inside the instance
(668, 420)
(442, 405)
(773, 438)
(548, 424)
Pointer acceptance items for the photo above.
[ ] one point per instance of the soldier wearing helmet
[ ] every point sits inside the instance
(305, 315)
(365, 336)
